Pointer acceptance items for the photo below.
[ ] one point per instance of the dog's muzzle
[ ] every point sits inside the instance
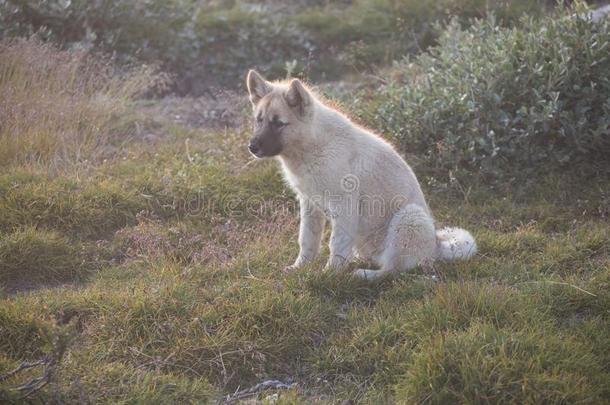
(254, 147)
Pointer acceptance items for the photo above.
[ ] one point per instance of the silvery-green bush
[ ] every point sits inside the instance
(499, 100)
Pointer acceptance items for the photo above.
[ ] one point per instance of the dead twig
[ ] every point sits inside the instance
(50, 365)
(23, 366)
(265, 385)
(157, 361)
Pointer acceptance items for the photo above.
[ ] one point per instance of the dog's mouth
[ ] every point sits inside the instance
(256, 152)
(261, 153)
(258, 155)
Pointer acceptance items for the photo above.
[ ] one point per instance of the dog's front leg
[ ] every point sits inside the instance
(311, 230)
(342, 240)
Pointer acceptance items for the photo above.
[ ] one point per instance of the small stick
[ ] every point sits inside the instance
(23, 366)
(265, 385)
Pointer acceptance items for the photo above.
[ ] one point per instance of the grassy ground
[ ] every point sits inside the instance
(159, 273)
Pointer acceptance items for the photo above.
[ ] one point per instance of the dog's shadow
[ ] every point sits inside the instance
(343, 287)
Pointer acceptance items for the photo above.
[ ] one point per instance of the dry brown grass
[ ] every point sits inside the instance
(58, 107)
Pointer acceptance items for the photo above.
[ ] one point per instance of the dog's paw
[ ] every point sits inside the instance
(366, 274)
(361, 273)
(289, 269)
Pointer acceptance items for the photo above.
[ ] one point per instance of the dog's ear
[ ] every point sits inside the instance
(257, 86)
(297, 96)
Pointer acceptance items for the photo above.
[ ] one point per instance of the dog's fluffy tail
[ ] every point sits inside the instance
(455, 243)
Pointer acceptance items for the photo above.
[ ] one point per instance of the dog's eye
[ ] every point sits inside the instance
(278, 124)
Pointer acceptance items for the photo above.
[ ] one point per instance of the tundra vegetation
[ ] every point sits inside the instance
(141, 254)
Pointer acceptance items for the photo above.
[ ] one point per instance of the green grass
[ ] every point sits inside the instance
(167, 304)
(34, 256)
(494, 365)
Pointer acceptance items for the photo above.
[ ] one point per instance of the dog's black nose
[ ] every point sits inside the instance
(254, 147)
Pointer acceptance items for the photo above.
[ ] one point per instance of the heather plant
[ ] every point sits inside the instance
(502, 101)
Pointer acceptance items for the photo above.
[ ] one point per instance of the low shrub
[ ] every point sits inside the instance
(377, 32)
(504, 101)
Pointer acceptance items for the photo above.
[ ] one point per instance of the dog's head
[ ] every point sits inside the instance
(282, 112)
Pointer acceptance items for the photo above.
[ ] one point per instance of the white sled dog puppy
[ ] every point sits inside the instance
(349, 176)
